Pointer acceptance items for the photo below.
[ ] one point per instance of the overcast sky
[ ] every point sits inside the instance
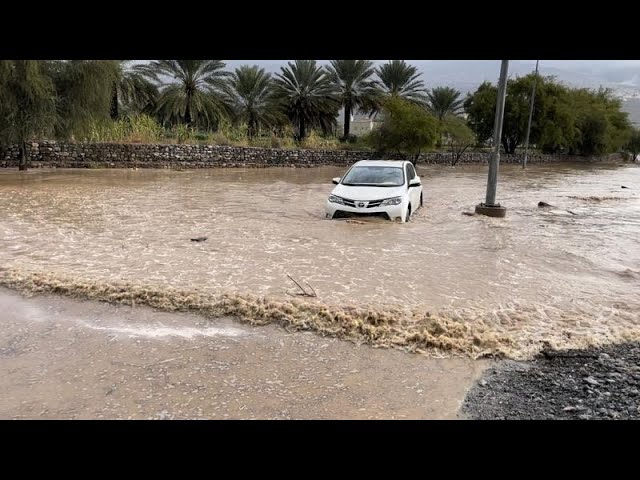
(605, 68)
(571, 64)
(466, 75)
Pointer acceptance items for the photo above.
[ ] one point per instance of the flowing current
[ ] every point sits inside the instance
(447, 283)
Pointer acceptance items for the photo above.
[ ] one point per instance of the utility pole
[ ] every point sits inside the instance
(533, 97)
(489, 207)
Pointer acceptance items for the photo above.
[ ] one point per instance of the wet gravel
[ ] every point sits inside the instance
(597, 383)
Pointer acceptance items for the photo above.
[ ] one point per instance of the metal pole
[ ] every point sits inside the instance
(533, 97)
(492, 181)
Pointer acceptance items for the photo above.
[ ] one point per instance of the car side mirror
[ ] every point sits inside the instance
(415, 182)
(336, 180)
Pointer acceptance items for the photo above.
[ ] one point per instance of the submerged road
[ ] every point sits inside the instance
(62, 358)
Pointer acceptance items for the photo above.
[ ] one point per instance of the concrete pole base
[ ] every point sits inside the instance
(491, 211)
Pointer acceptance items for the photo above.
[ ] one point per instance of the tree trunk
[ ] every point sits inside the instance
(23, 162)
(114, 101)
(187, 113)
(347, 120)
(251, 128)
(415, 158)
(509, 145)
(458, 154)
(303, 129)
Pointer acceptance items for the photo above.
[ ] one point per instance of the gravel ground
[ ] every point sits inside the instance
(598, 383)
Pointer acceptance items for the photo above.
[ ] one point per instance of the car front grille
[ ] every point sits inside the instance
(345, 214)
(370, 204)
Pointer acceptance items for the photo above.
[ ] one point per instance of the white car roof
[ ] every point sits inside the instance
(381, 163)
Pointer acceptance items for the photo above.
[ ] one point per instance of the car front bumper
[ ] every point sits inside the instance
(392, 211)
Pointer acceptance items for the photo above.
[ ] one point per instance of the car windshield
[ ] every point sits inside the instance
(374, 176)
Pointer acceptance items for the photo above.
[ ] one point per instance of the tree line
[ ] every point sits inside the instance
(70, 99)
(576, 121)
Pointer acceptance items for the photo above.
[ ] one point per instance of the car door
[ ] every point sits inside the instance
(414, 192)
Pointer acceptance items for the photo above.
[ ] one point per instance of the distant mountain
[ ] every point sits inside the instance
(632, 106)
(466, 75)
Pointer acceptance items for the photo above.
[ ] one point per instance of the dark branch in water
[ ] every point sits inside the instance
(314, 292)
(304, 292)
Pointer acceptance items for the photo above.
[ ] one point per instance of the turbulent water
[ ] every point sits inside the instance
(445, 282)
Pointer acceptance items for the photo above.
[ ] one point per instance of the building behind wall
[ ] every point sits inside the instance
(360, 124)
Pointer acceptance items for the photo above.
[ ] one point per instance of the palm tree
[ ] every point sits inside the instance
(443, 101)
(195, 93)
(27, 104)
(131, 89)
(307, 96)
(251, 96)
(357, 91)
(399, 79)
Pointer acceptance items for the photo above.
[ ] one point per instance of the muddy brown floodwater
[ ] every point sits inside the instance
(444, 284)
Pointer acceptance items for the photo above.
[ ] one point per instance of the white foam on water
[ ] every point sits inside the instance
(160, 331)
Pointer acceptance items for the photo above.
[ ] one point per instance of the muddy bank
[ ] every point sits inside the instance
(596, 383)
(68, 359)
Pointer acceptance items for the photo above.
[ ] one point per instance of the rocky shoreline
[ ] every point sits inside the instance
(595, 383)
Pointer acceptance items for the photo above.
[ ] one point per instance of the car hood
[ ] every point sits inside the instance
(368, 193)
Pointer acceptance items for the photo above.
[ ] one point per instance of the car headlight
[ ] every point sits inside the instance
(391, 201)
(336, 199)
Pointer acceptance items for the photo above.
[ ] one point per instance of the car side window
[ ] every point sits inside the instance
(411, 173)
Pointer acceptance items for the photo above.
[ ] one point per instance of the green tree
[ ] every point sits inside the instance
(358, 92)
(252, 99)
(443, 101)
(601, 126)
(399, 79)
(554, 127)
(592, 125)
(131, 90)
(633, 145)
(480, 107)
(516, 113)
(84, 92)
(458, 137)
(193, 92)
(564, 120)
(306, 94)
(27, 104)
(407, 129)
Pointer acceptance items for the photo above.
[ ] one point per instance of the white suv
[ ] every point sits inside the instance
(376, 187)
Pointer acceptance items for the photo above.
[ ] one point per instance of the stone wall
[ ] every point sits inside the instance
(109, 155)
